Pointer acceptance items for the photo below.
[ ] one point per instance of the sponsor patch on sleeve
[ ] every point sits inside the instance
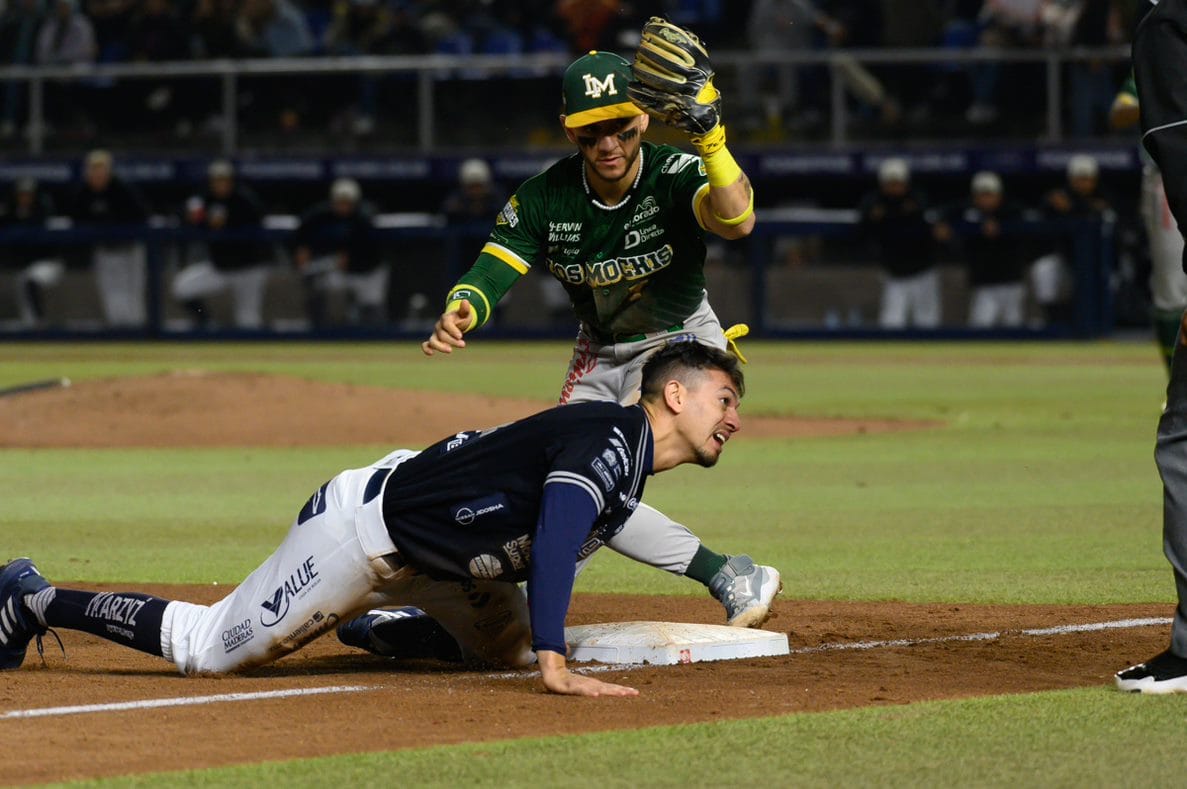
(510, 214)
(604, 474)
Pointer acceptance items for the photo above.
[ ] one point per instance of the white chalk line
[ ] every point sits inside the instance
(184, 701)
(842, 646)
(1059, 630)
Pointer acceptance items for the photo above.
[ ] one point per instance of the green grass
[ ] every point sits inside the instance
(1057, 739)
(1036, 484)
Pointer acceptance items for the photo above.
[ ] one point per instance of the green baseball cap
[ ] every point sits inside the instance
(595, 89)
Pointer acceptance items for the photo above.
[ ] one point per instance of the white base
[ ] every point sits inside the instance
(669, 643)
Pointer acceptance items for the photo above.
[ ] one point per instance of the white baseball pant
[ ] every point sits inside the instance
(1168, 283)
(43, 273)
(202, 279)
(368, 289)
(336, 562)
(121, 276)
(911, 301)
(997, 305)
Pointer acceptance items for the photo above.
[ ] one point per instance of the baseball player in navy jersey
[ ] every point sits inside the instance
(1160, 71)
(451, 530)
(621, 225)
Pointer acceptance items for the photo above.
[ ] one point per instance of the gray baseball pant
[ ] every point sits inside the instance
(1171, 457)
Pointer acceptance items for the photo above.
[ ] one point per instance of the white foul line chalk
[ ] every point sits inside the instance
(185, 701)
(841, 646)
(1059, 630)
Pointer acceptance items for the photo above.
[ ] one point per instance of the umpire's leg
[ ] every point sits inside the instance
(1171, 456)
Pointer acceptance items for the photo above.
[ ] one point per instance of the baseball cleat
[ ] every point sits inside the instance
(17, 624)
(1164, 673)
(404, 633)
(746, 590)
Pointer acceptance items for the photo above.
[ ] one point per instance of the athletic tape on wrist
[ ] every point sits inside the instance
(719, 162)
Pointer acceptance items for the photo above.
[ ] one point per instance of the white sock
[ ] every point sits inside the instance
(39, 601)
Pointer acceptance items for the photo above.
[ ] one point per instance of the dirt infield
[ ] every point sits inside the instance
(417, 704)
(410, 705)
(200, 409)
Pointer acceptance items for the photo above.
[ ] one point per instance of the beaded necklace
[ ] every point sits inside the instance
(627, 196)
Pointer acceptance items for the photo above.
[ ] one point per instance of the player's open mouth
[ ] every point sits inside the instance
(721, 437)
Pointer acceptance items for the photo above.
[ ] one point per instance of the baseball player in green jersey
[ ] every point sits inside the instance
(1168, 283)
(621, 224)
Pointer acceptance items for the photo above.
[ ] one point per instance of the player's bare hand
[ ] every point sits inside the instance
(449, 332)
(558, 679)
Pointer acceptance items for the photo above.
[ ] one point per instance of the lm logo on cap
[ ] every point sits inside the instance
(595, 87)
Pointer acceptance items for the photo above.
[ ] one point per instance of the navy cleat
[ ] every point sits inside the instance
(17, 624)
(400, 633)
(746, 590)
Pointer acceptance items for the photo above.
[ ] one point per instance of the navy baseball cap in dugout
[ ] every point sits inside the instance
(594, 89)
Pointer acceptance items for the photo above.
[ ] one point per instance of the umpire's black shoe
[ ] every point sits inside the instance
(1164, 673)
(400, 633)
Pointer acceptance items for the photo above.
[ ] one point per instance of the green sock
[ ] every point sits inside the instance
(704, 565)
(1166, 329)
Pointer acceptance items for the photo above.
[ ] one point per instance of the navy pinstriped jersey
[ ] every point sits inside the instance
(468, 506)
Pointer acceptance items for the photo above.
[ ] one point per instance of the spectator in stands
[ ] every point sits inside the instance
(360, 27)
(1082, 198)
(777, 27)
(277, 29)
(590, 24)
(67, 38)
(226, 209)
(105, 202)
(996, 271)
(404, 36)
(894, 216)
(112, 19)
(215, 31)
(337, 251)
(157, 34)
(38, 265)
(18, 42)
(1004, 24)
(1091, 82)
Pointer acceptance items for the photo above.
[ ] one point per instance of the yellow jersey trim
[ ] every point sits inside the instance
(698, 199)
(507, 256)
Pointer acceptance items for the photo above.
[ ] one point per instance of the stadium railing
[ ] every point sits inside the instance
(435, 75)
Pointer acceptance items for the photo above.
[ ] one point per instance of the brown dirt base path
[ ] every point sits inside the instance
(412, 705)
(196, 408)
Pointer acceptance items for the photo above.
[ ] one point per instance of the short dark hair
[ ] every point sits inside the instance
(675, 358)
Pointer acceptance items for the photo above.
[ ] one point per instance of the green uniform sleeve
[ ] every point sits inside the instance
(691, 184)
(507, 255)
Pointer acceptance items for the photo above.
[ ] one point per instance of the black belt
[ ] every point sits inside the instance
(612, 338)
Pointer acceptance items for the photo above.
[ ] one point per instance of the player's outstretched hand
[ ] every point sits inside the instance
(450, 330)
(558, 679)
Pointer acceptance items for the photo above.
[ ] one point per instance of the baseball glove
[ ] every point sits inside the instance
(673, 79)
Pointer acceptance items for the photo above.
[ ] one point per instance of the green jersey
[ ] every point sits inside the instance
(632, 268)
